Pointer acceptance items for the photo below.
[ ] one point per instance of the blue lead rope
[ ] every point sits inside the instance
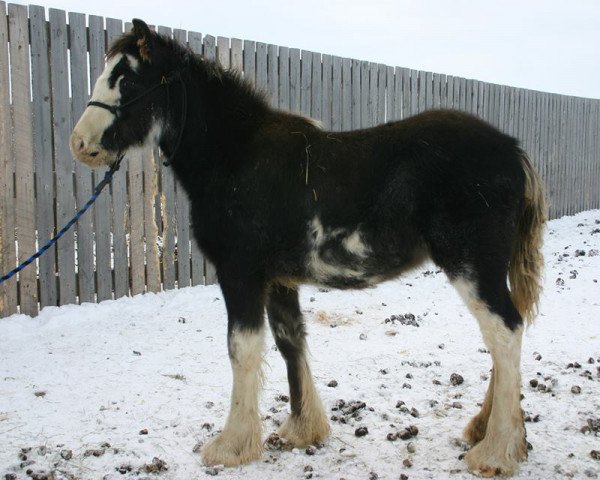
(105, 181)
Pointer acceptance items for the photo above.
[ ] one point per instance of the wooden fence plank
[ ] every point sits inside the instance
(327, 91)
(120, 218)
(449, 100)
(295, 80)
(273, 74)
(489, 95)
(390, 95)
(373, 102)
(102, 206)
(557, 164)
(316, 92)
(492, 105)
(365, 100)
(589, 155)
(8, 254)
(563, 159)
(135, 162)
(469, 86)
(305, 83)
(355, 107)
(501, 108)
(249, 61)
(237, 54)
(284, 78)
(403, 83)
(585, 154)
(400, 83)
(443, 91)
(86, 281)
(550, 152)
(456, 93)
(437, 91)
(261, 67)
(44, 162)
(572, 155)
(381, 89)
(593, 185)
(337, 95)
(581, 129)
(595, 148)
(575, 155)
(24, 167)
(414, 93)
(543, 147)
(347, 92)
(61, 122)
(151, 232)
(475, 100)
(223, 51)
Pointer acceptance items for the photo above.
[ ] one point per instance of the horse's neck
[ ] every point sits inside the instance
(222, 113)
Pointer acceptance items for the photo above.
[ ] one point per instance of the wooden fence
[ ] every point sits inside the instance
(137, 236)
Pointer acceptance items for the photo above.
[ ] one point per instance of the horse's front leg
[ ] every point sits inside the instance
(240, 441)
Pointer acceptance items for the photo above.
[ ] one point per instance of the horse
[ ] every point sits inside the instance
(278, 202)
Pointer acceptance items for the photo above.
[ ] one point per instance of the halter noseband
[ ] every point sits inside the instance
(166, 81)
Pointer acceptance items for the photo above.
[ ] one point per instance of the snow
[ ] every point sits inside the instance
(77, 378)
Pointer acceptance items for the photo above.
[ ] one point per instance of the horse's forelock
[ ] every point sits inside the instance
(125, 44)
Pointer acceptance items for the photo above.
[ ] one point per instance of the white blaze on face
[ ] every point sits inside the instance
(95, 120)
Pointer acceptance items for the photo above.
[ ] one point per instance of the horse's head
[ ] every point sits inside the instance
(129, 99)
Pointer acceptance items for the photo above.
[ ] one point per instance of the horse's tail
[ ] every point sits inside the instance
(527, 261)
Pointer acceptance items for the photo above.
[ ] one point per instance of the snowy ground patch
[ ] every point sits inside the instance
(132, 388)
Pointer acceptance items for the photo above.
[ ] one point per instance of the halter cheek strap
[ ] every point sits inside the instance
(116, 109)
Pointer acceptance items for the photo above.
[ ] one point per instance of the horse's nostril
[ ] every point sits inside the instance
(81, 145)
(93, 154)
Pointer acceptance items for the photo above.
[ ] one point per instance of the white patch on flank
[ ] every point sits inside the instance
(240, 441)
(504, 443)
(355, 245)
(321, 269)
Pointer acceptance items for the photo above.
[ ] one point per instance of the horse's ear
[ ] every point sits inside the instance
(142, 33)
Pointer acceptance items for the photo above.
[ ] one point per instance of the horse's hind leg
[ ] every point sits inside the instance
(503, 444)
(307, 423)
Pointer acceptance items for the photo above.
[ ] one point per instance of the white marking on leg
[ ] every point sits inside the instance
(504, 443)
(240, 441)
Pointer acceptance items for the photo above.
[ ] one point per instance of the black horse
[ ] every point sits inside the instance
(277, 202)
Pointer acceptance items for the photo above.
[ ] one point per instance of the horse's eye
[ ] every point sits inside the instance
(127, 83)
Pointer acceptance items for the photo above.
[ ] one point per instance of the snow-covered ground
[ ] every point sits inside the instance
(113, 390)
